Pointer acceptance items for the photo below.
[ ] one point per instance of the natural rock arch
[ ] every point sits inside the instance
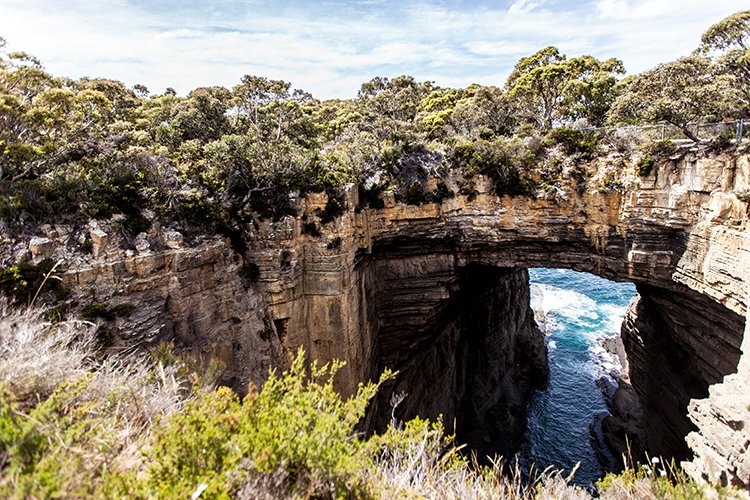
(680, 234)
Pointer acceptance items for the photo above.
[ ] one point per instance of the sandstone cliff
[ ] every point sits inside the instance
(400, 286)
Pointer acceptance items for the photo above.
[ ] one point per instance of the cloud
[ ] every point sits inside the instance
(331, 48)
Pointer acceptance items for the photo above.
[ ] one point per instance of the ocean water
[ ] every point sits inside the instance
(580, 310)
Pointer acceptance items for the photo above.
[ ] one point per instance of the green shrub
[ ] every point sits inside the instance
(370, 197)
(611, 186)
(657, 478)
(335, 207)
(43, 199)
(93, 312)
(434, 124)
(574, 141)
(198, 369)
(22, 282)
(195, 446)
(415, 194)
(661, 149)
(486, 134)
(58, 447)
(196, 210)
(96, 311)
(297, 425)
(271, 203)
(644, 165)
(116, 191)
(9, 422)
(505, 162)
(653, 153)
(442, 193)
(396, 442)
(123, 309)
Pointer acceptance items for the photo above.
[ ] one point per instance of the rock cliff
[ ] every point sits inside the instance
(435, 291)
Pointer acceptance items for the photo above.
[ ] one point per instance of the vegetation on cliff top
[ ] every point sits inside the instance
(74, 425)
(71, 150)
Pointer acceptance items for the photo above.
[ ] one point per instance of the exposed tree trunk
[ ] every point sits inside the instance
(689, 134)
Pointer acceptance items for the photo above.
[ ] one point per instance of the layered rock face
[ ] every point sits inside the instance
(464, 343)
(404, 287)
(198, 298)
(678, 343)
(721, 444)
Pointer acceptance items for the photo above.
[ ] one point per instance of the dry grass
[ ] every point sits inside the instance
(424, 464)
(125, 397)
(36, 355)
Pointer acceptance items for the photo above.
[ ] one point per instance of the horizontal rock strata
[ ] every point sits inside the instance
(679, 234)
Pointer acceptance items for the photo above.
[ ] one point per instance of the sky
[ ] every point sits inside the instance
(330, 47)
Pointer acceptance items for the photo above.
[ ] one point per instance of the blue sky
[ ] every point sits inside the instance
(330, 47)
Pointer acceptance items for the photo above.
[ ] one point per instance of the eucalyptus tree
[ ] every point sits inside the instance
(389, 106)
(550, 89)
(592, 88)
(22, 78)
(728, 42)
(489, 110)
(202, 115)
(475, 110)
(436, 111)
(249, 146)
(269, 109)
(679, 92)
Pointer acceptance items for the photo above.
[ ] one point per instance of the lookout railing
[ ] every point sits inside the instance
(733, 130)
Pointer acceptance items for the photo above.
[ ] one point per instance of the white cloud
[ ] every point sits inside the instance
(330, 50)
(638, 9)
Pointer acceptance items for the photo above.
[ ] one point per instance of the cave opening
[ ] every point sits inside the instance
(581, 316)
(459, 329)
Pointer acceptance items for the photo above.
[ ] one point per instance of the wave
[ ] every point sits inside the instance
(566, 308)
(579, 311)
(567, 304)
(613, 313)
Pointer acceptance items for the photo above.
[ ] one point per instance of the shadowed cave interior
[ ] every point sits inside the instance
(468, 349)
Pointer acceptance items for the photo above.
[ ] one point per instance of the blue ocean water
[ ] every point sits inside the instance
(580, 310)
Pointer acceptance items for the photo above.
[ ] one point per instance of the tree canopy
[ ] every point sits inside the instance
(95, 147)
(552, 89)
(680, 93)
(729, 42)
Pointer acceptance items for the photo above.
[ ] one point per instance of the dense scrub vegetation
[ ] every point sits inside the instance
(92, 148)
(75, 423)
(155, 426)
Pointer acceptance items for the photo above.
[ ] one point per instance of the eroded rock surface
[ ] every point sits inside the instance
(380, 287)
(678, 343)
(194, 297)
(472, 352)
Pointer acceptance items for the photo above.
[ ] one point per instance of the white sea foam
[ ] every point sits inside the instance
(568, 303)
(597, 321)
(613, 315)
